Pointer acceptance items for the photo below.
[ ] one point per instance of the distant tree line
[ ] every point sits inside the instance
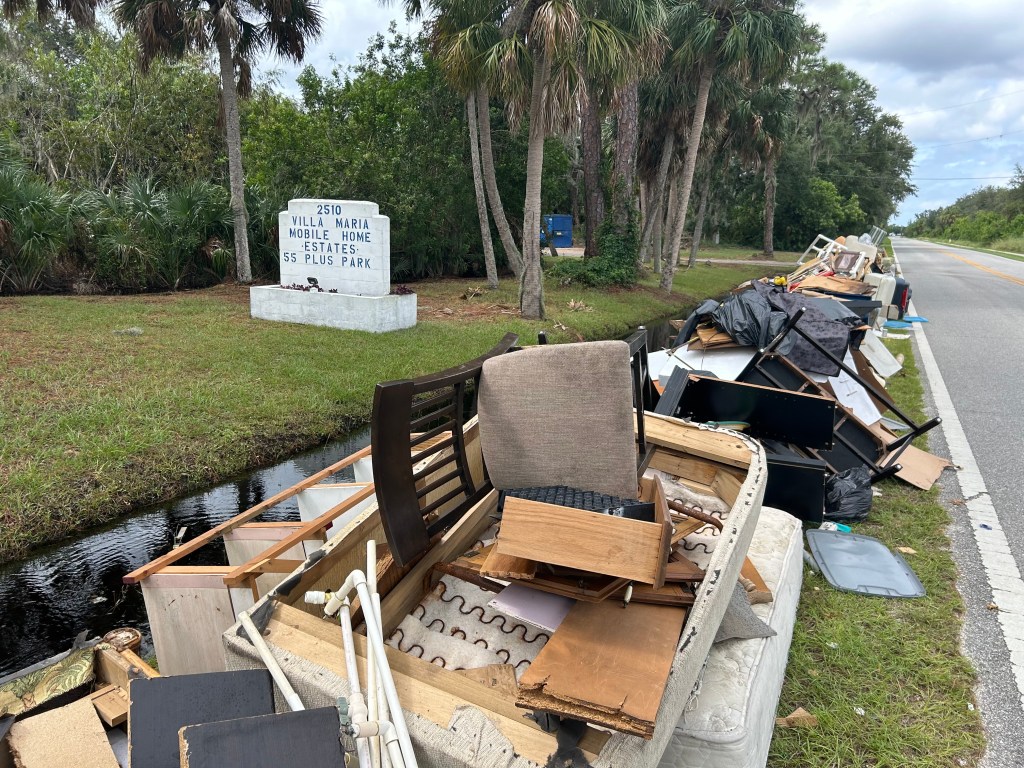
(990, 216)
(655, 123)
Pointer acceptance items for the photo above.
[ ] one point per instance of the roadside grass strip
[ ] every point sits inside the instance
(885, 678)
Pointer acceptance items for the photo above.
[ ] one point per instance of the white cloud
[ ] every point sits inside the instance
(953, 71)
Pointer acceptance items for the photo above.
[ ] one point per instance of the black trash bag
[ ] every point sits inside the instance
(750, 320)
(848, 495)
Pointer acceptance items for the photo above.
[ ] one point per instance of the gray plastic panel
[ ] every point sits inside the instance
(855, 563)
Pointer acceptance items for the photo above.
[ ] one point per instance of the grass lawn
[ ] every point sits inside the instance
(885, 677)
(708, 251)
(97, 422)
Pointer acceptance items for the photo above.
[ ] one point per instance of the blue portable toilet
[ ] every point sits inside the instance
(557, 226)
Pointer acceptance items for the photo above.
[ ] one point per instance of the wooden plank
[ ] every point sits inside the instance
(727, 487)
(161, 706)
(70, 736)
(689, 439)
(499, 677)
(587, 541)
(306, 738)
(111, 704)
(606, 664)
(191, 546)
(423, 688)
(501, 566)
(669, 594)
(409, 591)
(118, 667)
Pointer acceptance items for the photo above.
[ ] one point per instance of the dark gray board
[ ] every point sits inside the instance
(160, 706)
(309, 738)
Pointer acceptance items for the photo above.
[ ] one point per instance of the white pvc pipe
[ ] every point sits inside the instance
(356, 703)
(290, 696)
(357, 581)
(371, 668)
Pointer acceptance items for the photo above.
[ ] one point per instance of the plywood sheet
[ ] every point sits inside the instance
(606, 664)
(688, 439)
(61, 738)
(588, 541)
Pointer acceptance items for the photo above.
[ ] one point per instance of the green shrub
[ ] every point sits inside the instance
(616, 263)
(35, 222)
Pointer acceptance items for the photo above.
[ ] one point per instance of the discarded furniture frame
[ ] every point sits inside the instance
(414, 510)
(857, 443)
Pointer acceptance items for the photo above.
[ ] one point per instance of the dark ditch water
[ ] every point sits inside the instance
(57, 592)
(48, 598)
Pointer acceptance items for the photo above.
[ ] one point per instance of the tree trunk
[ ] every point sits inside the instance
(769, 207)
(512, 254)
(593, 195)
(531, 287)
(658, 196)
(689, 166)
(478, 188)
(698, 225)
(229, 95)
(668, 223)
(624, 171)
(659, 221)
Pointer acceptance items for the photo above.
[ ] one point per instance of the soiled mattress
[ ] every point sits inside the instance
(729, 721)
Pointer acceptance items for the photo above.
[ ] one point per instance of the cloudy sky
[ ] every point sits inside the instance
(952, 70)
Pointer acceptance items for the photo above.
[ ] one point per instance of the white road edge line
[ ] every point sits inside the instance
(1001, 570)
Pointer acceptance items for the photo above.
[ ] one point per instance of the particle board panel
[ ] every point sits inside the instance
(423, 688)
(587, 541)
(161, 706)
(606, 664)
(308, 738)
(187, 623)
(68, 736)
(773, 414)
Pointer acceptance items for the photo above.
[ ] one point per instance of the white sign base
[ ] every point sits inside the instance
(377, 314)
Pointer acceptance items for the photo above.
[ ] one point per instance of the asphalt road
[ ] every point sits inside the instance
(975, 306)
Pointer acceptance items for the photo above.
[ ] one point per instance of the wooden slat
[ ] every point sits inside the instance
(191, 546)
(423, 688)
(500, 677)
(688, 439)
(607, 665)
(111, 704)
(397, 604)
(588, 541)
(242, 573)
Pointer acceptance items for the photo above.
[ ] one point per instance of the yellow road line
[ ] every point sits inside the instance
(983, 268)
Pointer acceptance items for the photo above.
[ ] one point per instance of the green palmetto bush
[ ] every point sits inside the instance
(35, 222)
(151, 238)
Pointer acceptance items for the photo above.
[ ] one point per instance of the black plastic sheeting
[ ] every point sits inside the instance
(829, 328)
(750, 320)
(848, 495)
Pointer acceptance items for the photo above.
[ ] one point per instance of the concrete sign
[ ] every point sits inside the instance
(345, 245)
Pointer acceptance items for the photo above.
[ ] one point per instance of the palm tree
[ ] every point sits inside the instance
(775, 112)
(239, 31)
(82, 12)
(757, 37)
(465, 32)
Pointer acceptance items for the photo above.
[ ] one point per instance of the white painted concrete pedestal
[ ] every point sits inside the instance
(377, 314)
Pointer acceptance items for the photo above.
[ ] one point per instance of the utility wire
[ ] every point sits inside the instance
(955, 106)
(928, 146)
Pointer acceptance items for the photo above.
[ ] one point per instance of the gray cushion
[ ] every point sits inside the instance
(740, 622)
(560, 415)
